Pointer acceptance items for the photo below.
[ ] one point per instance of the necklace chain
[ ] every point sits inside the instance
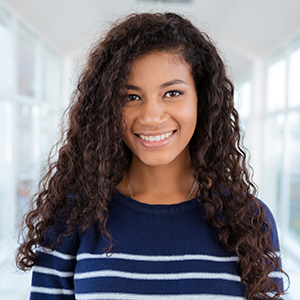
(132, 195)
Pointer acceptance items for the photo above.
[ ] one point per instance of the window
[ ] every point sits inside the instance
(25, 158)
(5, 166)
(243, 99)
(282, 142)
(6, 129)
(26, 62)
(4, 49)
(276, 85)
(29, 104)
(50, 70)
(273, 160)
(293, 173)
(294, 75)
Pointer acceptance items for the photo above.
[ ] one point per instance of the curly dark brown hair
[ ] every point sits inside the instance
(93, 155)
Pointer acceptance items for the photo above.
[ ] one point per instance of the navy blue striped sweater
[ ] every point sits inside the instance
(160, 252)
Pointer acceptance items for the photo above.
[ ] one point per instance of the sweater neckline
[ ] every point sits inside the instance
(156, 208)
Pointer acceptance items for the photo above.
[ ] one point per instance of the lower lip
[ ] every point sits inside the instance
(158, 144)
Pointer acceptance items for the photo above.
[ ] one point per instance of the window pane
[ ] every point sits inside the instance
(50, 77)
(25, 157)
(294, 86)
(243, 98)
(26, 55)
(294, 172)
(272, 159)
(243, 101)
(4, 50)
(276, 85)
(49, 135)
(5, 164)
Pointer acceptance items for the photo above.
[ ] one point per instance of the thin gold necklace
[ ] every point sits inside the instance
(132, 195)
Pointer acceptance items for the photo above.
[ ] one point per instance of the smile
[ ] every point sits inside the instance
(155, 138)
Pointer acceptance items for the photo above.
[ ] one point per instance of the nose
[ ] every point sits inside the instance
(153, 113)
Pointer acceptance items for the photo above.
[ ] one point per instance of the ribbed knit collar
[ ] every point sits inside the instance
(157, 208)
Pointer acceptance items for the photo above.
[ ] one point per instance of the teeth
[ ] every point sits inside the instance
(155, 138)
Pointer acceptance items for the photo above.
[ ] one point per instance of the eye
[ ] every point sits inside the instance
(132, 97)
(173, 94)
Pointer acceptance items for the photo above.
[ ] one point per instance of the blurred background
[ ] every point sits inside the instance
(43, 45)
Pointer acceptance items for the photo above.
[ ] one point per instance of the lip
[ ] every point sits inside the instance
(158, 144)
(155, 133)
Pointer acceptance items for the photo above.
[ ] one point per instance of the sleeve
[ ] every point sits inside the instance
(273, 228)
(53, 275)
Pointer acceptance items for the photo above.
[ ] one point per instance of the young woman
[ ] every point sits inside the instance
(150, 197)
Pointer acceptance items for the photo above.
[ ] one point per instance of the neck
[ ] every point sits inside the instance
(166, 184)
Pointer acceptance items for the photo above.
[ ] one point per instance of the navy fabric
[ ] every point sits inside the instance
(159, 252)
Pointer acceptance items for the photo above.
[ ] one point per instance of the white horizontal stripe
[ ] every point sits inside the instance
(51, 291)
(159, 257)
(156, 276)
(276, 274)
(119, 296)
(50, 271)
(57, 254)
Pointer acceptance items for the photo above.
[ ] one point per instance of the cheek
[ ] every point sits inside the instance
(189, 118)
(189, 115)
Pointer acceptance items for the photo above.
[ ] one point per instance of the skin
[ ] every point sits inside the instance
(161, 99)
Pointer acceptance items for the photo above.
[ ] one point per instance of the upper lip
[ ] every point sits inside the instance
(154, 133)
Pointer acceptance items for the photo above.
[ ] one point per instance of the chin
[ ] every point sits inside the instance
(156, 162)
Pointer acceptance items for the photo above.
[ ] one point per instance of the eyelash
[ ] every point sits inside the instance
(138, 97)
(177, 93)
(132, 95)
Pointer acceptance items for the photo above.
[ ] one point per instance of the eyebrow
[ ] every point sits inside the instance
(162, 86)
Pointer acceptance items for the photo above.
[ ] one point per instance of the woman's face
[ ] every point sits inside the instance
(161, 109)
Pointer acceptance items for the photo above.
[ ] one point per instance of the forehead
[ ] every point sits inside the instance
(158, 65)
